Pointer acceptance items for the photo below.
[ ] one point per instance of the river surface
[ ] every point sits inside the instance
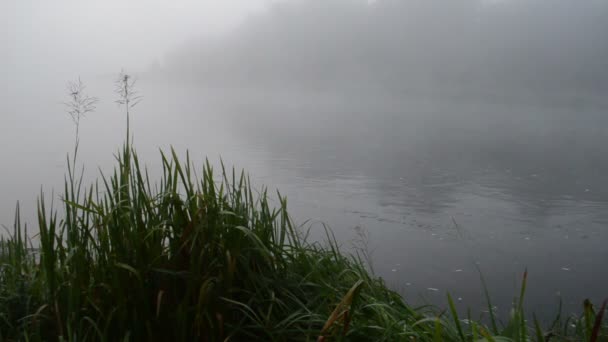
(434, 187)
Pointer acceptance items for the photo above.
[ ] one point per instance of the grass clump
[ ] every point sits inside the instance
(188, 258)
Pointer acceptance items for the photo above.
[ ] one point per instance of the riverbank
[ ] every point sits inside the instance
(202, 255)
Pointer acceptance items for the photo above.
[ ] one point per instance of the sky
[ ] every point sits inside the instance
(62, 39)
(40, 36)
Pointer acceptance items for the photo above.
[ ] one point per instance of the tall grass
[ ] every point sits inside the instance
(202, 256)
(185, 259)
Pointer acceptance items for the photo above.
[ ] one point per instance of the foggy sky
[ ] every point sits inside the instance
(518, 46)
(70, 37)
(549, 46)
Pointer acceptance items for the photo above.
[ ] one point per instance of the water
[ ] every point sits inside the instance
(441, 185)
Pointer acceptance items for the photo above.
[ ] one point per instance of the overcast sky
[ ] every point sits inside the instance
(61, 39)
(82, 35)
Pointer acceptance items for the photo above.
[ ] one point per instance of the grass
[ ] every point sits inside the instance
(186, 259)
(202, 256)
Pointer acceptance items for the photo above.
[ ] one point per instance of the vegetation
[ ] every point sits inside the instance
(201, 256)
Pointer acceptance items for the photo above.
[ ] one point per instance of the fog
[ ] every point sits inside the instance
(517, 82)
(68, 37)
(471, 47)
(402, 118)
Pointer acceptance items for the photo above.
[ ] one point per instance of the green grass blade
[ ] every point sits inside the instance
(455, 317)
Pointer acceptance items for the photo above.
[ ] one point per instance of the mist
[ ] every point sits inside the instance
(498, 49)
(94, 37)
(401, 118)
(501, 83)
